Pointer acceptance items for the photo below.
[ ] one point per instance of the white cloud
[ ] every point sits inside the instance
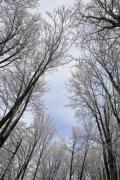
(49, 5)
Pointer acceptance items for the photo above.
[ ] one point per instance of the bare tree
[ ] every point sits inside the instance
(54, 42)
(19, 31)
(53, 165)
(98, 25)
(24, 158)
(101, 16)
(89, 95)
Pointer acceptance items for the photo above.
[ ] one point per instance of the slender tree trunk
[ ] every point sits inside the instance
(9, 163)
(38, 163)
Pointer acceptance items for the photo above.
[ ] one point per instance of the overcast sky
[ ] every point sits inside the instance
(55, 100)
(49, 5)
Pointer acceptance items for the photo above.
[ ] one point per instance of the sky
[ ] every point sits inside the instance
(56, 98)
(50, 5)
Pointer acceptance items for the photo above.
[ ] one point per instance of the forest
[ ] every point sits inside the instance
(33, 45)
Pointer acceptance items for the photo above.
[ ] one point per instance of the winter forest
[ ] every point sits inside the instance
(85, 35)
